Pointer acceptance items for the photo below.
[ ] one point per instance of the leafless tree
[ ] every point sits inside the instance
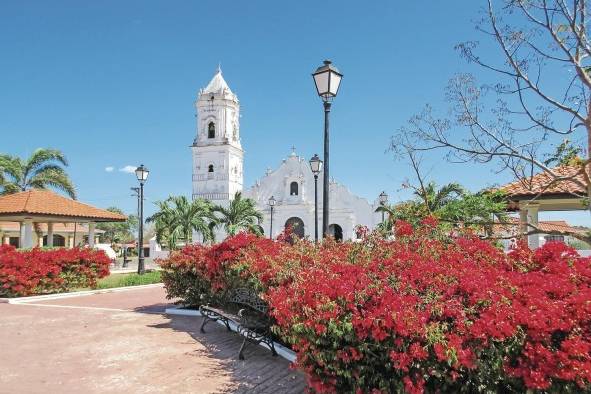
(540, 94)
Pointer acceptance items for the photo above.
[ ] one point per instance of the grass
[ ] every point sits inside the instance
(122, 280)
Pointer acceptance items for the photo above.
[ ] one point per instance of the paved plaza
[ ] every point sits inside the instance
(123, 342)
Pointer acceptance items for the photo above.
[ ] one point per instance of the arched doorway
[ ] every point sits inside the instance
(297, 226)
(58, 241)
(336, 232)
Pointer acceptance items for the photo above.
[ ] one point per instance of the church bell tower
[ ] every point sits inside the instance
(217, 153)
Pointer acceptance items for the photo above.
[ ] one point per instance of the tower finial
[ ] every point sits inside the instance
(219, 69)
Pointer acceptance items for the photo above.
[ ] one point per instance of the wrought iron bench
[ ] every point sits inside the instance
(252, 318)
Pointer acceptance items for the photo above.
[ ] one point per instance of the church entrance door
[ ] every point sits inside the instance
(336, 232)
(297, 226)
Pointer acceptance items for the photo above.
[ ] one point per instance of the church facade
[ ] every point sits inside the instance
(218, 164)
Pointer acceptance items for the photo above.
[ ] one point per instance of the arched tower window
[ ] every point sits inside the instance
(293, 189)
(210, 168)
(211, 130)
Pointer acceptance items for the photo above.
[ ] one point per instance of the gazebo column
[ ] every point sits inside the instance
(91, 228)
(532, 221)
(49, 235)
(28, 233)
(522, 221)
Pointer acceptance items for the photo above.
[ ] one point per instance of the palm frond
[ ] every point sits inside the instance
(44, 155)
(55, 179)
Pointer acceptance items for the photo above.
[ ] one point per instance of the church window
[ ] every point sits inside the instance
(210, 168)
(211, 130)
(293, 189)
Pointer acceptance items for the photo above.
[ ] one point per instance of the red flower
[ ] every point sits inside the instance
(39, 271)
(453, 309)
(402, 228)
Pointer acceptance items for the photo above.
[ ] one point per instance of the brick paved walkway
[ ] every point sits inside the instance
(122, 342)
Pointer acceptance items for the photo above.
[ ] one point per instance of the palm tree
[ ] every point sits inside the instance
(410, 211)
(178, 217)
(42, 170)
(429, 201)
(241, 214)
(434, 199)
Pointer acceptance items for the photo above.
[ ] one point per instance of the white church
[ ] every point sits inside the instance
(218, 168)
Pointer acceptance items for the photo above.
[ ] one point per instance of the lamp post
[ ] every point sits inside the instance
(327, 80)
(383, 198)
(141, 174)
(316, 166)
(272, 202)
(136, 193)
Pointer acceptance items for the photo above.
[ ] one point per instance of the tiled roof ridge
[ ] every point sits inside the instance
(29, 192)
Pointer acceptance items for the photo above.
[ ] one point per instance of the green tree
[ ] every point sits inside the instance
(241, 214)
(534, 91)
(116, 232)
(566, 154)
(410, 211)
(42, 170)
(429, 200)
(478, 211)
(177, 218)
(434, 199)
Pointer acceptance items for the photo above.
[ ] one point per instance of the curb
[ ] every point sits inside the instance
(131, 270)
(180, 311)
(24, 300)
(281, 350)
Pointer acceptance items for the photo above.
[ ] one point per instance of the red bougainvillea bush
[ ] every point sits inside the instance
(39, 271)
(426, 312)
(203, 274)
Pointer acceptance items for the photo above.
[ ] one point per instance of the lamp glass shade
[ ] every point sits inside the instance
(142, 173)
(335, 82)
(321, 81)
(316, 164)
(327, 79)
(383, 198)
(272, 201)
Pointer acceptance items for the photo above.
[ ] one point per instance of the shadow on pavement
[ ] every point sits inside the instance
(260, 372)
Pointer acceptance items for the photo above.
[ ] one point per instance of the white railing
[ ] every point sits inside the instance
(211, 196)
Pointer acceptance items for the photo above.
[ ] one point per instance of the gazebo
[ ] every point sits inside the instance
(44, 206)
(543, 192)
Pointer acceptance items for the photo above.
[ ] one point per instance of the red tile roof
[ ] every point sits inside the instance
(546, 226)
(48, 203)
(542, 184)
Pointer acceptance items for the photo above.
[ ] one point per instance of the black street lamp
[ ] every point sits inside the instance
(327, 79)
(316, 166)
(141, 174)
(272, 202)
(383, 198)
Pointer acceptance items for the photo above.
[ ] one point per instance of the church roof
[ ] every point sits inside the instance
(217, 84)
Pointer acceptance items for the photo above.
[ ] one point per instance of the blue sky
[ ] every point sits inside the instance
(113, 83)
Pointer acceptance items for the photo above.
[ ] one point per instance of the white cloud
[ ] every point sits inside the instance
(128, 169)
(109, 168)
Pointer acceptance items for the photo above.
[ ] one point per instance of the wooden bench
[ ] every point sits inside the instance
(252, 318)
